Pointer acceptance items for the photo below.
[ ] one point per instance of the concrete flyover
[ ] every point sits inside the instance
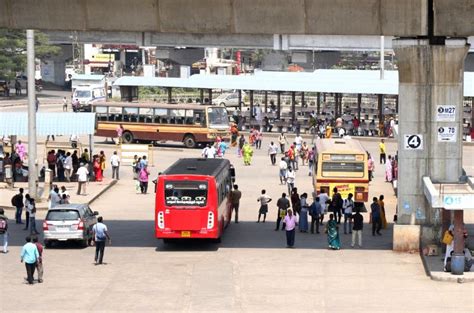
(402, 18)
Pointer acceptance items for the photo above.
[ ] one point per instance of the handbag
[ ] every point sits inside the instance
(447, 238)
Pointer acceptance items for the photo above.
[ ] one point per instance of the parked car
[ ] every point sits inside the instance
(228, 99)
(69, 222)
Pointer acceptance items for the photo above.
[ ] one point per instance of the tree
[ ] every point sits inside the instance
(13, 51)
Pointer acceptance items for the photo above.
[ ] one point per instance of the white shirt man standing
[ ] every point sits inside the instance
(115, 162)
(82, 174)
(68, 166)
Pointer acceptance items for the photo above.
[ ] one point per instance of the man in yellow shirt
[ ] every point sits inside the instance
(382, 151)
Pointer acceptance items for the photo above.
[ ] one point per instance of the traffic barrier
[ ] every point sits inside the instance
(127, 152)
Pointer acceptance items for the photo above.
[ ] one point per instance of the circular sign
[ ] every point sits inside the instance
(440, 109)
(441, 130)
(414, 141)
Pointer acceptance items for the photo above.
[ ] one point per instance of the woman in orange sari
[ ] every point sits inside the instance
(97, 168)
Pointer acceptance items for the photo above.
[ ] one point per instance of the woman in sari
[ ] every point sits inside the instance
(97, 168)
(333, 233)
(102, 160)
(303, 216)
(388, 170)
(382, 212)
(304, 153)
(234, 134)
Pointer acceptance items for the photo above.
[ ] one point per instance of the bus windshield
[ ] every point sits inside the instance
(218, 117)
(82, 94)
(185, 193)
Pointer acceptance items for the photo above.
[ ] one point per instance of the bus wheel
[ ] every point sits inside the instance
(127, 137)
(189, 141)
(217, 240)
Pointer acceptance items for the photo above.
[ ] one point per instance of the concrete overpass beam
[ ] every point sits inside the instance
(429, 76)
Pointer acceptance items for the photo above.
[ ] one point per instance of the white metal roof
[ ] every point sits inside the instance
(338, 81)
(16, 123)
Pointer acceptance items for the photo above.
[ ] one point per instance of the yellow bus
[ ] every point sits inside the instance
(341, 163)
(191, 124)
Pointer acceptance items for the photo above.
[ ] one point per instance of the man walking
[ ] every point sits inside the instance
(336, 205)
(290, 179)
(282, 204)
(272, 152)
(39, 262)
(290, 226)
(315, 210)
(283, 167)
(264, 199)
(115, 162)
(235, 202)
(382, 151)
(100, 235)
(376, 217)
(357, 229)
(29, 255)
(4, 230)
(82, 174)
(17, 202)
(68, 166)
(348, 206)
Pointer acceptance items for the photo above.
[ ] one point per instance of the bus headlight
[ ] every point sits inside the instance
(161, 220)
(210, 220)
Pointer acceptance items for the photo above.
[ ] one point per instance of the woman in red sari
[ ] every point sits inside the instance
(97, 168)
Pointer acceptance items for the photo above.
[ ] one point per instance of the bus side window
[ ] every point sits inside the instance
(189, 117)
(199, 118)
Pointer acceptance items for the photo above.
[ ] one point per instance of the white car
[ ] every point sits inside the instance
(228, 99)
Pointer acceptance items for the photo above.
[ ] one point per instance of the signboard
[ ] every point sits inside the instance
(458, 201)
(413, 142)
(446, 113)
(344, 189)
(447, 134)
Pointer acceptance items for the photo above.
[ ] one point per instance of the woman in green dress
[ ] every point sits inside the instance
(333, 233)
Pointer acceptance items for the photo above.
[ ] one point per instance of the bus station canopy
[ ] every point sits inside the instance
(329, 81)
(16, 123)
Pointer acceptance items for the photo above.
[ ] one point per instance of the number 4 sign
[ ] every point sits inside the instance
(413, 142)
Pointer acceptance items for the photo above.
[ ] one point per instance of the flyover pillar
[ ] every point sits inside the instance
(430, 121)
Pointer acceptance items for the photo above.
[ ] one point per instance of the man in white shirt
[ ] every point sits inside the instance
(323, 199)
(115, 162)
(298, 141)
(348, 206)
(68, 166)
(290, 179)
(264, 199)
(55, 198)
(272, 151)
(209, 152)
(82, 174)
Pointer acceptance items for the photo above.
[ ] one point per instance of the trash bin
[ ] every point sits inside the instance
(457, 264)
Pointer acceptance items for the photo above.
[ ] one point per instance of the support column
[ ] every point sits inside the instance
(359, 104)
(293, 107)
(336, 106)
(251, 108)
(278, 104)
(239, 93)
(396, 104)
(318, 103)
(210, 96)
(380, 111)
(201, 95)
(265, 100)
(302, 100)
(170, 94)
(429, 75)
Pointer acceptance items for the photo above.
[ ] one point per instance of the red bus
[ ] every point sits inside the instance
(192, 199)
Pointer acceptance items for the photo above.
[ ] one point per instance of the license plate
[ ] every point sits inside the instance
(185, 233)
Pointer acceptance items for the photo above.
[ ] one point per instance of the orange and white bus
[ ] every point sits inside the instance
(193, 199)
(191, 124)
(341, 163)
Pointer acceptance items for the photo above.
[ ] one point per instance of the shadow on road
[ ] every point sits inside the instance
(246, 235)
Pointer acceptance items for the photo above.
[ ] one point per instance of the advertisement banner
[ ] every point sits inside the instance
(344, 189)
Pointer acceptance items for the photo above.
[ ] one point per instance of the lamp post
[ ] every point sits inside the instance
(32, 167)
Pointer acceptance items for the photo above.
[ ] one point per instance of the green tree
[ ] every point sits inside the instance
(13, 51)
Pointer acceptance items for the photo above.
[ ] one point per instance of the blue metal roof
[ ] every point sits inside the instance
(16, 123)
(339, 81)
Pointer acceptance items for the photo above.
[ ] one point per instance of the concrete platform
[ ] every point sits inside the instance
(434, 268)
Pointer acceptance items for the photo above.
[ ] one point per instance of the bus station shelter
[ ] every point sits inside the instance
(337, 82)
(63, 123)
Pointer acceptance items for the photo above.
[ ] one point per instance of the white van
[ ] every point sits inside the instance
(88, 94)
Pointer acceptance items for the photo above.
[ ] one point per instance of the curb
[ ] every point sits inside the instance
(452, 279)
(110, 185)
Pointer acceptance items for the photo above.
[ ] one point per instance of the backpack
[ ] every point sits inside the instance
(16, 200)
(3, 226)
